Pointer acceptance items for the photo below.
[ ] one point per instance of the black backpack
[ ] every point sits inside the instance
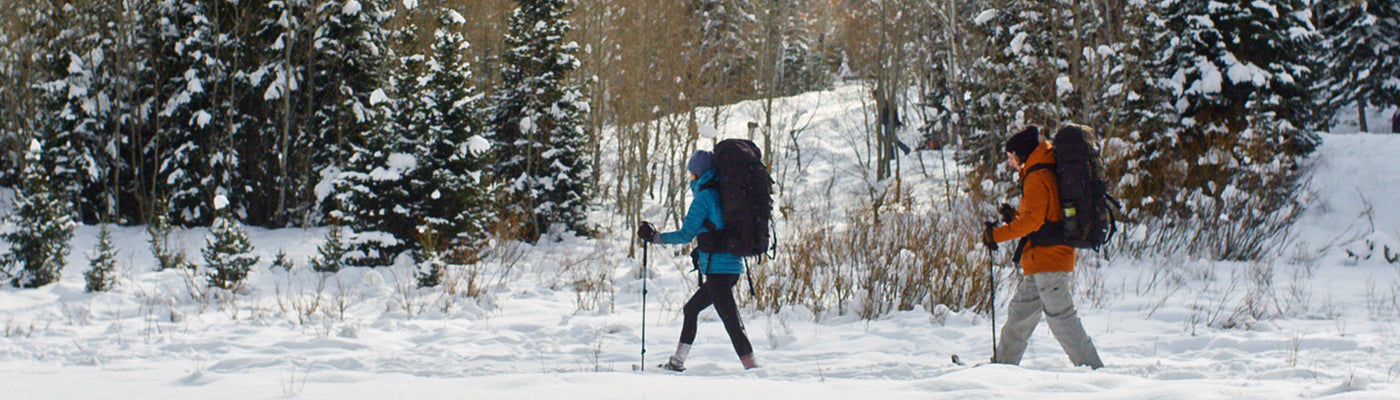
(746, 198)
(1090, 212)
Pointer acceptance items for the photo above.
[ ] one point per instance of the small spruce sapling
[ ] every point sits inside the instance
(281, 261)
(429, 259)
(227, 252)
(103, 260)
(331, 254)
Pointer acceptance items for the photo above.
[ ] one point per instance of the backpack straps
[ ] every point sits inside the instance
(1037, 167)
(1027, 241)
(749, 274)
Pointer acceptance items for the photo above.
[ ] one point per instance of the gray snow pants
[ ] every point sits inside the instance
(1049, 293)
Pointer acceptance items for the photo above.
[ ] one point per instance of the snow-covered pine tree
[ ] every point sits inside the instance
(1230, 57)
(373, 196)
(29, 50)
(374, 199)
(1238, 76)
(1362, 57)
(82, 105)
(1144, 112)
(39, 225)
(429, 256)
(103, 262)
(537, 124)
(227, 252)
(330, 255)
(344, 89)
(458, 204)
(369, 194)
(277, 161)
(199, 115)
(1016, 81)
(727, 30)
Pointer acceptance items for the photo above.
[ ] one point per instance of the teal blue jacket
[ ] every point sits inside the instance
(705, 206)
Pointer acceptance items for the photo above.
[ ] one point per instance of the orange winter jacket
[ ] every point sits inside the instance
(1040, 202)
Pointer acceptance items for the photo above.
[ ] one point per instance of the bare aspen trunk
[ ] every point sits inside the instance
(1361, 115)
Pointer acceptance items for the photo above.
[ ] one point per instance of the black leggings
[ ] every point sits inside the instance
(718, 290)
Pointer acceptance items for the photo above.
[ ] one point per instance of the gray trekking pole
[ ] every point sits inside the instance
(645, 246)
(991, 273)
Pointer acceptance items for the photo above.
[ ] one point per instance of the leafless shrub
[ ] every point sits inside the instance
(872, 266)
(590, 278)
(1092, 286)
(80, 314)
(1236, 231)
(300, 305)
(294, 381)
(1383, 302)
(1297, 298)
(1295, 346)
(504, 249)
(200, 293)
(1259, 301)
(465, 279)
(406, 295)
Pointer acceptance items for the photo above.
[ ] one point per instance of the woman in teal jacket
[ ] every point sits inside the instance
(721, 270)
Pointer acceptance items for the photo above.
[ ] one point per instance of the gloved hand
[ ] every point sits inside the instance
(987, 236)
(1008, 213)
(647, 233)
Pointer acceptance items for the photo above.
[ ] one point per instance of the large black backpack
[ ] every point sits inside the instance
(1089, 210)
(746, 198)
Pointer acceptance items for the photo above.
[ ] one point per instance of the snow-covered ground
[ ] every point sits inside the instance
(1377, 120)
(543, 330)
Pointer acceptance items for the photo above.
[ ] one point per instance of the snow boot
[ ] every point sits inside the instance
(673, 365)
(748, 361)
(677, 361)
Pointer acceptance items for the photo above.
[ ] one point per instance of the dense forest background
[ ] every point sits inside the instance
(438, 123)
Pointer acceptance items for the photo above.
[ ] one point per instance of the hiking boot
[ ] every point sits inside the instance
(673, 365)
(748, 361)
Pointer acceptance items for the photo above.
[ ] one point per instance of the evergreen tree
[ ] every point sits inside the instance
(368, 162)
(1237, 76)
(103, 260)
(458, 203)
(276, 160)
(374, 198)
(227, 252)
(537, 121)
(39, 226)
(201, 116)
(727, 45)
(375, 193)
(1231, 59)
(429, 256)
(330, 255)
(1362, 57)
(81, 101)
(1138, 155)
(344, 90)
(1013, 80)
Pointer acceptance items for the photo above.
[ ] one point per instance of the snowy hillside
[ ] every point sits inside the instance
(563, 320)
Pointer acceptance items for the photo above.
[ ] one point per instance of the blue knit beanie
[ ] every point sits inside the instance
(701, 162)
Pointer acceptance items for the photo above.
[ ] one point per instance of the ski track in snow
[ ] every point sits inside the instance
(529, 338)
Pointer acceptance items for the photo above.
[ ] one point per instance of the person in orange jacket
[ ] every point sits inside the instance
(1045, 283)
